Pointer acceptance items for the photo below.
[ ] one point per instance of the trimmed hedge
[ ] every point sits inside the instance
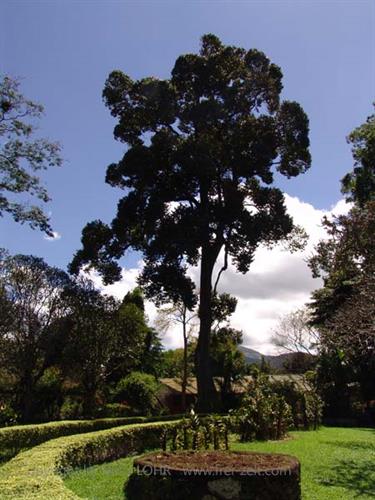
(20, 437)
(36, 474)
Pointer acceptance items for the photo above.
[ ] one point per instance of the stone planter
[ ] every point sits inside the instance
(214, 475)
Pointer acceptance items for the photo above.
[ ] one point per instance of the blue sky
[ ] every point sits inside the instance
(64, 51)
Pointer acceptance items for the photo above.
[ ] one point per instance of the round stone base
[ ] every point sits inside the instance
(214, 475)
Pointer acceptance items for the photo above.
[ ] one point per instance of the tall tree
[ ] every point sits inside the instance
(343, 309)
(22, 156)
(198, 175)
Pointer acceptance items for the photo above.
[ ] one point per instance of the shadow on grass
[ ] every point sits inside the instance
(355, 476)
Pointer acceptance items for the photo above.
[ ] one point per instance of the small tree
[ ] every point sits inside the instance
(295, 333)
(22, 157)
(179, 314)
(198, 173)
(92, 338)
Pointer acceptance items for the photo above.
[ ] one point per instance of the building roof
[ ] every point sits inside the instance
(173, 385)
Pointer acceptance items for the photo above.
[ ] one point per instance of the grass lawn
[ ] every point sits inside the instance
(337, 463)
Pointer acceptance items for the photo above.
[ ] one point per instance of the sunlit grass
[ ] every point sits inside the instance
(337, 463)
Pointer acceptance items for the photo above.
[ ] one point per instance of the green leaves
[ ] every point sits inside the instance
(21, 157)
(360, 183)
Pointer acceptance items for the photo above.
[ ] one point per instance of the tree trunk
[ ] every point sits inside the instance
(26, 400)
(184, 374)
(206, 390)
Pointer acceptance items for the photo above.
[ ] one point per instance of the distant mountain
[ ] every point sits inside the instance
(279, 361)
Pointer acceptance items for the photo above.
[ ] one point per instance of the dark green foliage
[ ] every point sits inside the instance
(138, 390)
(344, 308)
(22, 157)
(203, 147)
(7, 415)
(263, 413)
(228, 362)
(360, 183)
(34, 293)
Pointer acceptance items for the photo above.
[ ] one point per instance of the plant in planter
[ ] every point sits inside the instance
(195, 433)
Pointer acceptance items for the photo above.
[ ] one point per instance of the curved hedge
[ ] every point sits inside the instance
(36, 474)
(20, 437)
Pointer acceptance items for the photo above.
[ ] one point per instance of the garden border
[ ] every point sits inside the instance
(37, 473)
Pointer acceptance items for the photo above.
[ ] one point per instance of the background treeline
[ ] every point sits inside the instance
(65, 346)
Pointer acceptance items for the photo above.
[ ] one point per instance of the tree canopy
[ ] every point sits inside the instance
(22, 157)
(359, 184)
(203, 147)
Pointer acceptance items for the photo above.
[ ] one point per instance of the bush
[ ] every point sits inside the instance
(138, 390)
(263, 414)
(20, 437)
(7, 415)
(71, 409)
(36, 473)
(113, 410)
(305, 403)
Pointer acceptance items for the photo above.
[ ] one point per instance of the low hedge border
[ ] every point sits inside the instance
(21, 437)
(36, 474)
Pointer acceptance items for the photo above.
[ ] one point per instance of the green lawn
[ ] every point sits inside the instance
(337, 463)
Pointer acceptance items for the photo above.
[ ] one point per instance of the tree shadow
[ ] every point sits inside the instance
(356, 476)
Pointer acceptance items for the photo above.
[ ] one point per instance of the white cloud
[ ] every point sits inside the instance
(277, 283)
(55, 236)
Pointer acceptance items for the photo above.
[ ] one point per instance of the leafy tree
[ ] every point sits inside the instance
(139, 390)
(351, 331)
(228, 361)
(35, 297)
(343, 309)
(93, 338)
(22, 157)
(132, 333)
(344, 260)
(173, 363)
(360, 183)
(198, 173)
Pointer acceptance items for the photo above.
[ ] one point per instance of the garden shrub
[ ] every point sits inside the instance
(36, 473)
(7, 415)
(138, 391)
(263, 414)
(71, 409)
(114, 410)
(306, 405)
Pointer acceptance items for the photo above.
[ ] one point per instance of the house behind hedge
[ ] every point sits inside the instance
(170, 392)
